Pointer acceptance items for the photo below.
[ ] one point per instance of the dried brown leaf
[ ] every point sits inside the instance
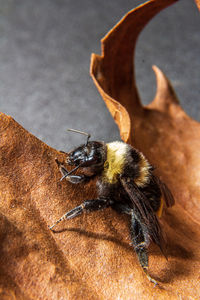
(198, 3)
(90, 257)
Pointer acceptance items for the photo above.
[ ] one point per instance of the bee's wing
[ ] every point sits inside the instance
(144, 208)
(169, 199)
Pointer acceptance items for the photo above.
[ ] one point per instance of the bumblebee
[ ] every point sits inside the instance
(126, 183)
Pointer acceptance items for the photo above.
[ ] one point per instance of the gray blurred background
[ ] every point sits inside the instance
(45, 48)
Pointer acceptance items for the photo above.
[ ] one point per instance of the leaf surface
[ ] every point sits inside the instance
(90, 257)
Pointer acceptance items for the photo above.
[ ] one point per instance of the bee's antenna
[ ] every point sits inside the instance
(81, 132)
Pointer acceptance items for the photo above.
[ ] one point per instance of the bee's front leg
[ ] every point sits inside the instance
(71, 178)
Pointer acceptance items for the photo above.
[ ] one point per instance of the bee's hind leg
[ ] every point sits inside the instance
(139, 236)
(140, 240)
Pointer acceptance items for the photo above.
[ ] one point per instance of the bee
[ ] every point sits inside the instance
(126, 183)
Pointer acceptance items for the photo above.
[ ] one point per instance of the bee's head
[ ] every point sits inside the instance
(91, 154)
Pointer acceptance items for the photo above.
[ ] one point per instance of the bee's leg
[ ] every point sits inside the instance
(86, 206)
(140, 240)
(77, 178)
(71, 178)
(139, 236)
